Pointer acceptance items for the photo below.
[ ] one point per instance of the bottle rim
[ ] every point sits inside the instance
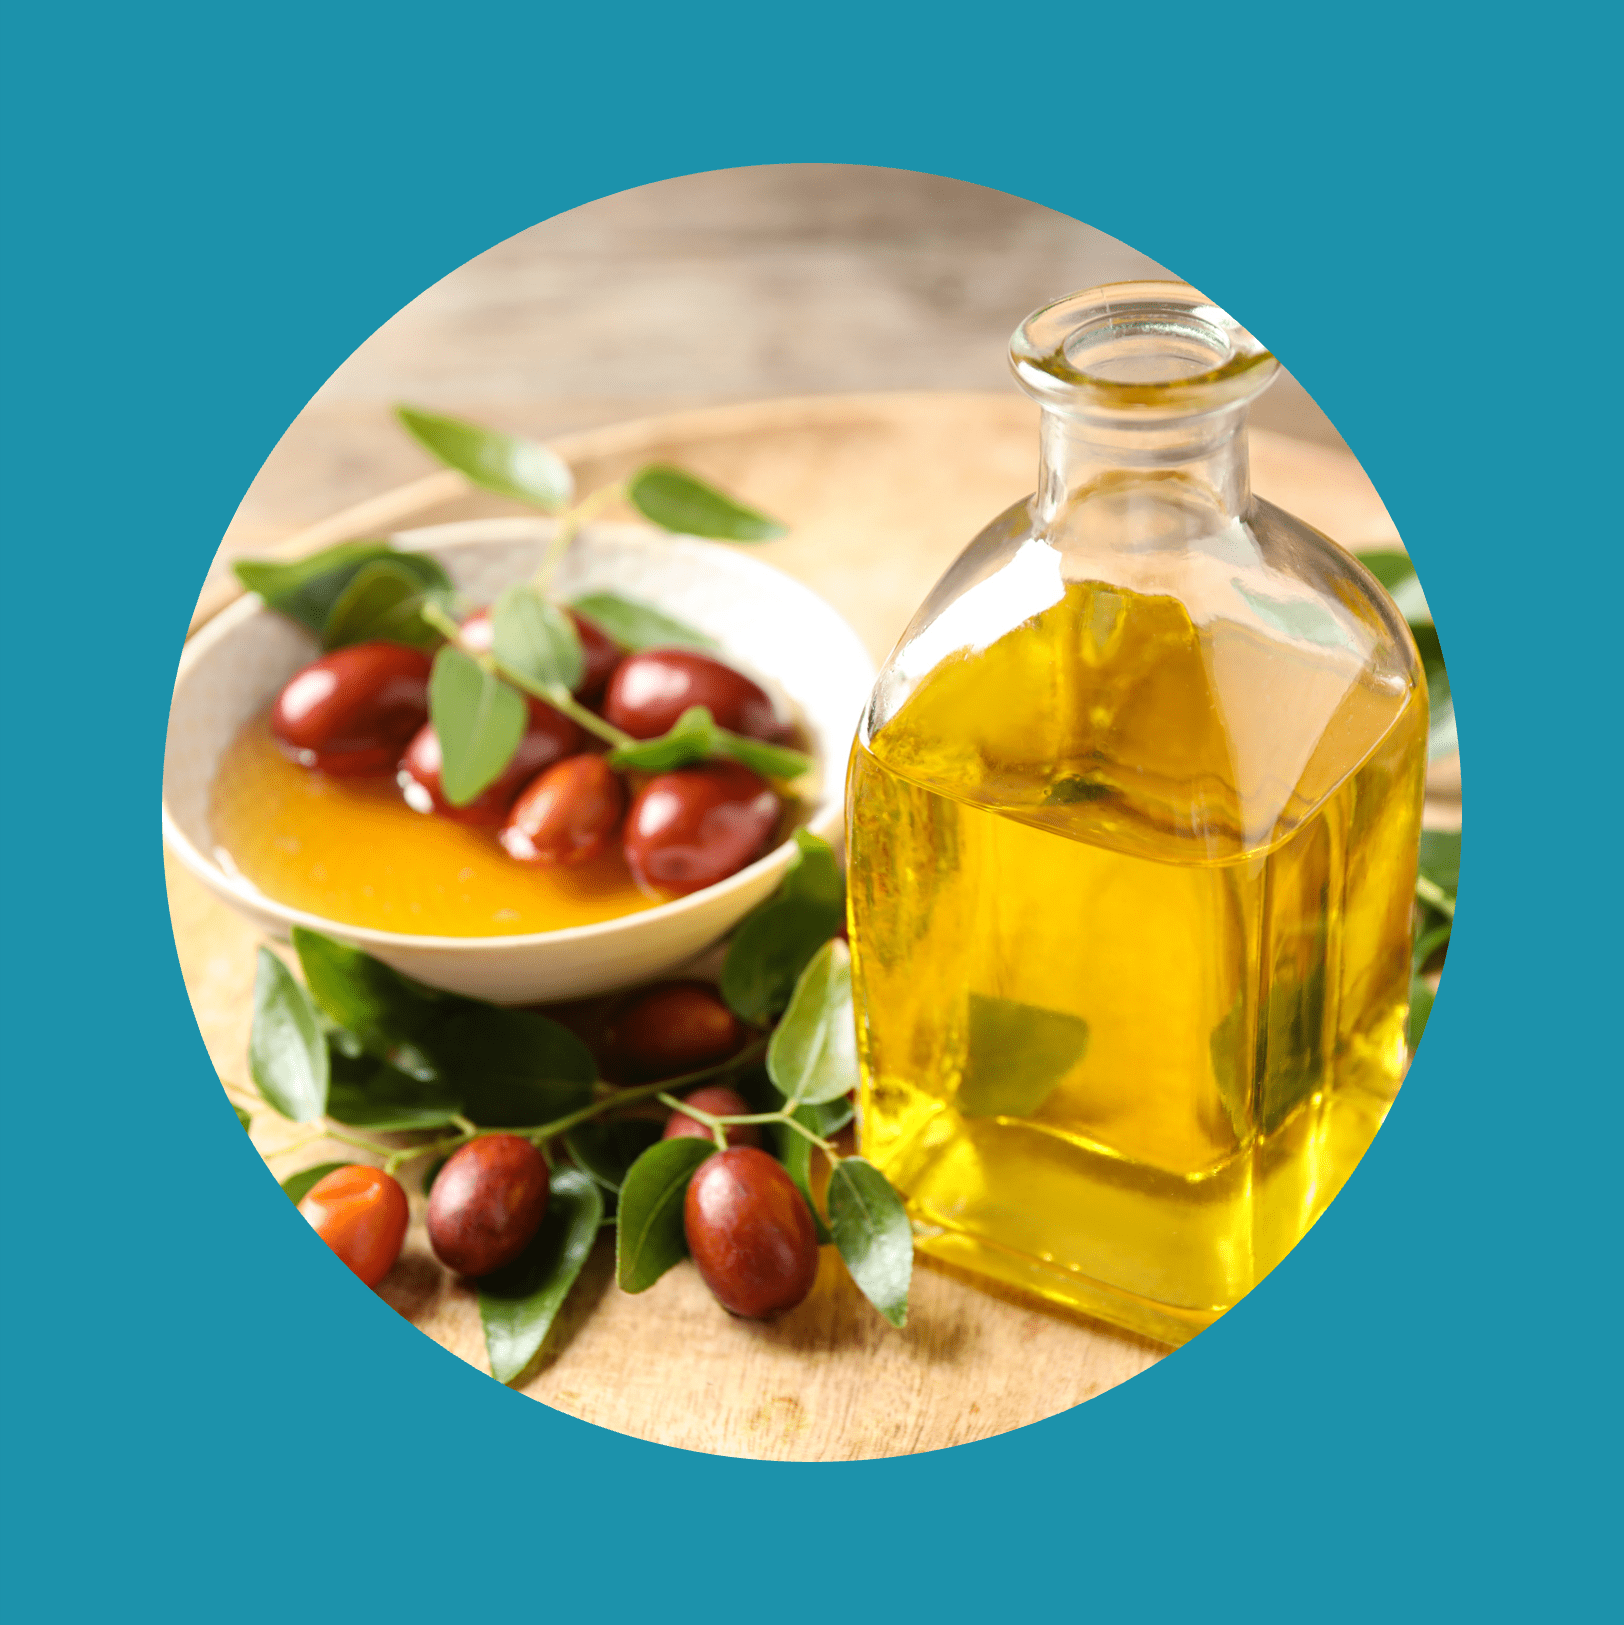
(1147, 349)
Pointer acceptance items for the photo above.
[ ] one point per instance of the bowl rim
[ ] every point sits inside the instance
(472, 532)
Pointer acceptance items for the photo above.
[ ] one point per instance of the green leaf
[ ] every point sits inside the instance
(1421, 997)
(607, 1147)
(480, 721)
(1428, 942)
(1441, 736)
(1017, 1054)
(387, 1013)
(636, 626)
(691, 738)
(795, 1153)
(1073, 789)
(1387, 564)
(813, 873)
(827, 1118)
(504, 463)
(1397, 575)
(518, 1303)
(1290, 1065)
(1412, 602)
(305, 590)
(770, 761)
(795, 1150)
(1440, 858)
(676, 501)
(512, 1068)
(391, 1101)
(694, 737)
(870, 1227)
(536, 639)
(340, 1042)
(287, 1052)
(242, 1117)
(299, 1185)
(777, 940)
(769, 951)
(813, 1053)
(385, 602)
(649, 1234)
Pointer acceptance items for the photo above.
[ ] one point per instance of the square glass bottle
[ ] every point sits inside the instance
(1133, 819)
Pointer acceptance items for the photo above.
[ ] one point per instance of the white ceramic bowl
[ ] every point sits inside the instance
(768, 625)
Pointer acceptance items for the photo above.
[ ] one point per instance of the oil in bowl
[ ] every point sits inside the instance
(352, 850)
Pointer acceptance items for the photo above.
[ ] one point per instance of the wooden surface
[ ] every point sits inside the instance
(881, 492)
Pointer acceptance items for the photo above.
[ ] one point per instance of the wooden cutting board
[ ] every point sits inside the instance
(881, 493)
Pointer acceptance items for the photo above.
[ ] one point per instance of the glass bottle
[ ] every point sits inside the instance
(1133, 822)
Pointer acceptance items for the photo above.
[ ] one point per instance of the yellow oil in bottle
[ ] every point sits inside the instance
(1131, 918)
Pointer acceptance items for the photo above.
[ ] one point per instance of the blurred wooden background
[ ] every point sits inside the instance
(745, 284)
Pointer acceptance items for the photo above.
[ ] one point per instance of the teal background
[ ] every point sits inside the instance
(207, 209)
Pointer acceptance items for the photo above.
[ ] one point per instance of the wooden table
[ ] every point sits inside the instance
(881, 493)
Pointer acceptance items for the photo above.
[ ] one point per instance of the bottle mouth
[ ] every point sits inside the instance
(1149, 350)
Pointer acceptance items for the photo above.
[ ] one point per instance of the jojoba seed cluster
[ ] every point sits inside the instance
(749, 1230)
(558, 803)
(748, 1227)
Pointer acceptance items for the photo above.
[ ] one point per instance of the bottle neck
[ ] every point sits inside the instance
(1204, 455)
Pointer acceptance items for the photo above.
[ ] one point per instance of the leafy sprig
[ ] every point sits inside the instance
(359, 592)
(358, 1046)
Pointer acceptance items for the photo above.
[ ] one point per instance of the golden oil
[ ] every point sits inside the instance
(1132, 826)
(352, 850)
(1120, 1044)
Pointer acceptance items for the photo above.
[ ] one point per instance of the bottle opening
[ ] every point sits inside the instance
(1148, 349)
(1143, 348)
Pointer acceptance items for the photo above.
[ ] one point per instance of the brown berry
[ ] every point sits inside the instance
(487, 1202)
(352, 711)
(651, 689)
(719, 1102)
(750, 1233)
(549, 738)
(673, 1028)
(689, 829)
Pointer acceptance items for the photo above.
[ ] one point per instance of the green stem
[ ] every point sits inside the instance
(569, 524)
(327, 1131)
(560, 699)
(412, 1152)
(296, 1145)
(822, 1144)
(394, 1157)
(360, 1142)
(1434, 896)
(553, 694)
(718, 1124)
(442, 622)
(631, 1097)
